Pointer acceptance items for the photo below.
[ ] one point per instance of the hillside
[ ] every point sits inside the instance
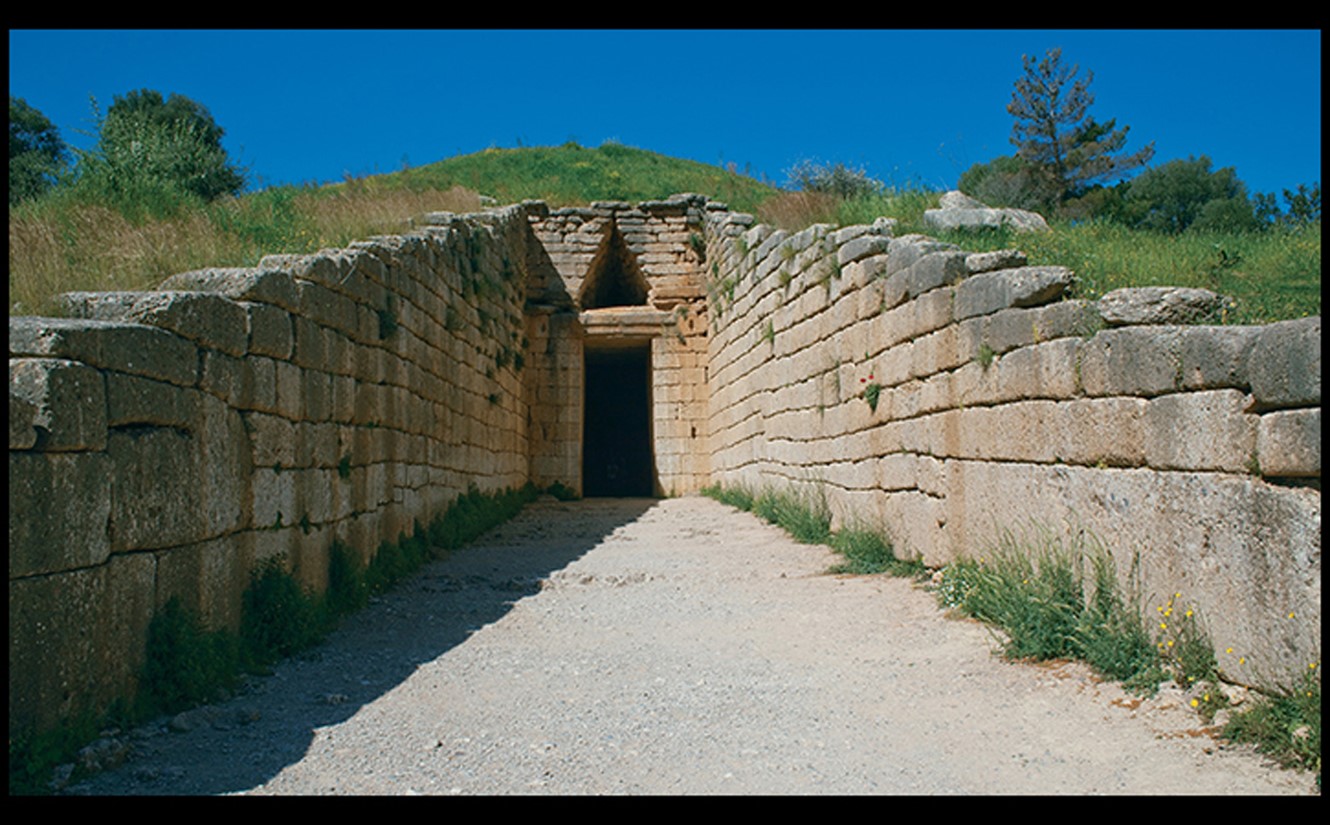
(573, 175)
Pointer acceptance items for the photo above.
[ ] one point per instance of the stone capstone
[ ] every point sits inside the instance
(1160, 305)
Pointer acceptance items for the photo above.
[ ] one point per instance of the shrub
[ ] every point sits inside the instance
(278, 617)
(837, 179)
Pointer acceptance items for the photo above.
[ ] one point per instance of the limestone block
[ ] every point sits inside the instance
(159, 488)
(22, 414)
(840, 237)
(904, 251)
(209, 577)
(1288, 443)
(68, 402)
(132, 348)
(1245, 553)
(258, 285)
(317, 444)
(898, 471)
(862, 247)
(65, 499)
(272, 440)
(273, 498)
(1216, 357)
(1131, 361)
(210, 320)
(131, 399)
(1208, 430)
(316, 392)
(1023, 287)
(77, 640)
(941, 268)
(309, 350)
(1056, 368)
(1008, 329)
(933, 353)
(992, 261)
(264, 374)
(932, 311)
(1285, 364)
(1159, 305)
(1106, 432)
(289, 384)
(229, 379)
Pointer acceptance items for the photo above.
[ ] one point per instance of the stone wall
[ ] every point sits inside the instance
(164, 443)
(659, 246)
(1001, 405)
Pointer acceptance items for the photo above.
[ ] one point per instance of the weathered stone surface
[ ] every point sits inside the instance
(992, 261)
(862, 247)
(22, 414)
(1131, 361)
(259, 285)
(1288, 443)
(1201, 431)
(933, 270)
(1285, 364)
(960, 211)
(1023, 287)
(82, 639)
(65, 502)
(1160, 305)
(206, 318)
(68, 402)
(132, 348)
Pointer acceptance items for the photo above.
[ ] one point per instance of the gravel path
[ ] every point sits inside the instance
(673, 647)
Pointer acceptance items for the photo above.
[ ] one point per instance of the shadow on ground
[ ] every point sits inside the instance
(244, 742)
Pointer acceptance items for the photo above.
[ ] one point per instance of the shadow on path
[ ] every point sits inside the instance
(244, 742)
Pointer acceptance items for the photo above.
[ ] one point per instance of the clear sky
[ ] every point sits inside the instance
(910, 106)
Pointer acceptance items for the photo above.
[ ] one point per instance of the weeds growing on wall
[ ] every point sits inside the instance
(187, 665)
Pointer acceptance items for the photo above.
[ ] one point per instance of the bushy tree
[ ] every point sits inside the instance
(150, 147)
(834, 179)
(1304, 206)
(1186, 194)
(1054, 134)
(37, 155)
(1006, 181)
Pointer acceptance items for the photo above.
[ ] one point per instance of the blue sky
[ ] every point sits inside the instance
(910, 106)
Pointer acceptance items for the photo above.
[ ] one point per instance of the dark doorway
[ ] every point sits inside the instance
(616, 439)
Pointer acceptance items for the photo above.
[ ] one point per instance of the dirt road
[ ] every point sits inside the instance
(633, 646)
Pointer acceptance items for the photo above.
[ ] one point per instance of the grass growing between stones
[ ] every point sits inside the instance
(187, 664)
(1035, 589)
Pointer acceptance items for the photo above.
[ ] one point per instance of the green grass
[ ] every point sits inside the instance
(1286, 724)
(807, 518)
(1034, 588)
(576, 175)
(1272, 276)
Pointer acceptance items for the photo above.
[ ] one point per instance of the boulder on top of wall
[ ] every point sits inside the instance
(1025, 286)
(1152, 305)
(960, 211)
(266, 285)
(206, 318)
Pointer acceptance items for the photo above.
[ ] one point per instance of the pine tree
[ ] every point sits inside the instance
(1056, 136)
